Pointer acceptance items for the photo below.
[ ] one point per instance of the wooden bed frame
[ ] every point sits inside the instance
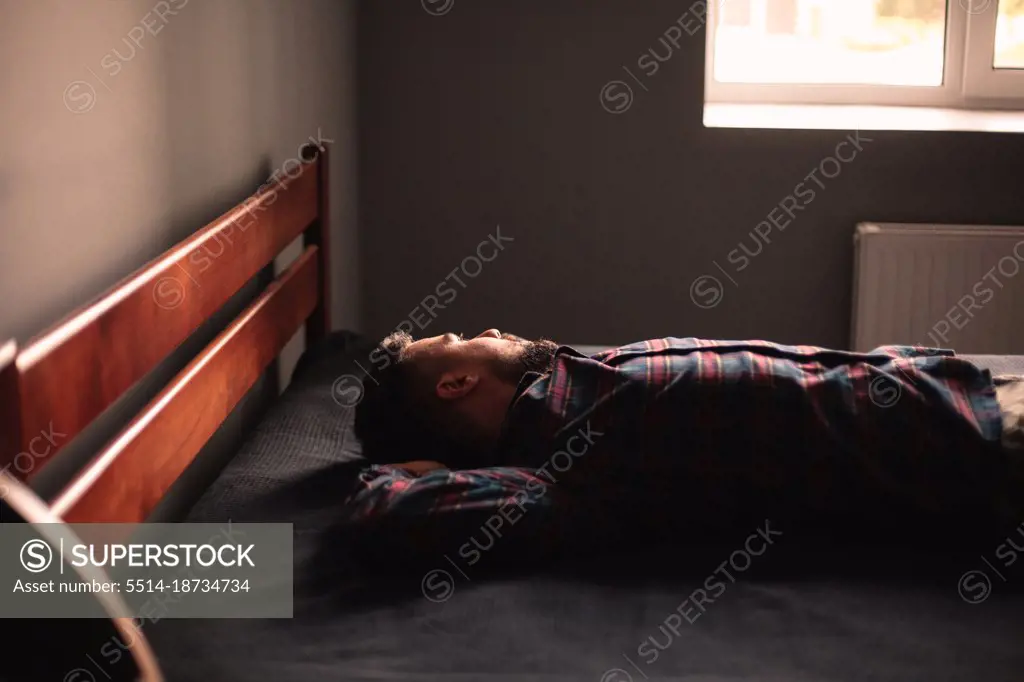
(63, 379)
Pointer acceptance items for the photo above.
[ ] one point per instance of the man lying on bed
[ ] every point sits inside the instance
(716, 434)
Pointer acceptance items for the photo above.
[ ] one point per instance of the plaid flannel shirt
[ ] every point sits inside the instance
(717, 427)
(385, 490)
(711, 428)
(401, 520)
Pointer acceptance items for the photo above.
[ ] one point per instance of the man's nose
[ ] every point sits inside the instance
(492, 333)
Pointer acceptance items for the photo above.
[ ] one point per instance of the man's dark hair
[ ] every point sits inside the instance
(394, 421)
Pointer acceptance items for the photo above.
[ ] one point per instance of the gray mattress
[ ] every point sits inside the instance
(999, 364)
(797, 614)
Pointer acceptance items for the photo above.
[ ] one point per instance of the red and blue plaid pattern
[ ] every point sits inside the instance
(719, 426)
(711, 428)
(389, 490)
(453, 518)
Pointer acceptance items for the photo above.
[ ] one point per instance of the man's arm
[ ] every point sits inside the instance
(407, 522)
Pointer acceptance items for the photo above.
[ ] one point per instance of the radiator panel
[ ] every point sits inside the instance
(946, 286)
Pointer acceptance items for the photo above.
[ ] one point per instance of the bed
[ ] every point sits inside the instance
(833, 613)
(834, 610)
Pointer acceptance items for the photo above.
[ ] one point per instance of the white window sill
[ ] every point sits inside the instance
(844, 117)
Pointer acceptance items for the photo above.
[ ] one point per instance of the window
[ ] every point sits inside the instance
(1009, 48)
(961, 53)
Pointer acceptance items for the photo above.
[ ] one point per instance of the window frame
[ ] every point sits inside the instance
(969, 79)
(981, 80)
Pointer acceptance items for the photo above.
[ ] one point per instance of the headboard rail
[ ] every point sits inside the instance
(66, 377)
(128, 478)
(56, 385)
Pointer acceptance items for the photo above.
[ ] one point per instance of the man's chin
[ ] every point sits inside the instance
(526, 342)
(530, 356)
(538, 355)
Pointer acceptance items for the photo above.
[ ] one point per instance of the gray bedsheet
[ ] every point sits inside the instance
(999, 364)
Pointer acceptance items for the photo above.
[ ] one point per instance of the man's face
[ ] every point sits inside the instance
(490, 342)
(506, 356)
(465, 386)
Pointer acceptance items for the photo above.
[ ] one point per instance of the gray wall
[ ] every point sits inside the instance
(491, 114)
(111, 152)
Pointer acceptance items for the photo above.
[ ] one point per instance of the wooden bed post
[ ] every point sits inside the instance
(10, 409)
(319, 234)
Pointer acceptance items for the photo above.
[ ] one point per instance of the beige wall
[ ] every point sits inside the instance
(171, 129)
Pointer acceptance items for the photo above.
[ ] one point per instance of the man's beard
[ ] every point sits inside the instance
(534, 356)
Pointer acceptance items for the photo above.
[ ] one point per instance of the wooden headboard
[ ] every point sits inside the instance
(51, 389)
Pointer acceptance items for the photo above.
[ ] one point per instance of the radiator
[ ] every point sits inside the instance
(944, 286)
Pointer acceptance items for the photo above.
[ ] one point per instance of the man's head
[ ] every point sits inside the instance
(445, 396)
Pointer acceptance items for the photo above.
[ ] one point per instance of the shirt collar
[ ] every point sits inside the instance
(530, 378)
(528, 381)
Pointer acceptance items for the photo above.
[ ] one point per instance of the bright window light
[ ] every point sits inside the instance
(966, 54)
(831, 41)
(1010, 35)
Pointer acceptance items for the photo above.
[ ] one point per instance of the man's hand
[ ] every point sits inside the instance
(419, 467)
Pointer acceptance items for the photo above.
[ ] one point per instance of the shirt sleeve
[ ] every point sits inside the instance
(445, 516)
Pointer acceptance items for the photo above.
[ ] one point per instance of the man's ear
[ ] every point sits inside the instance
(454, 385)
